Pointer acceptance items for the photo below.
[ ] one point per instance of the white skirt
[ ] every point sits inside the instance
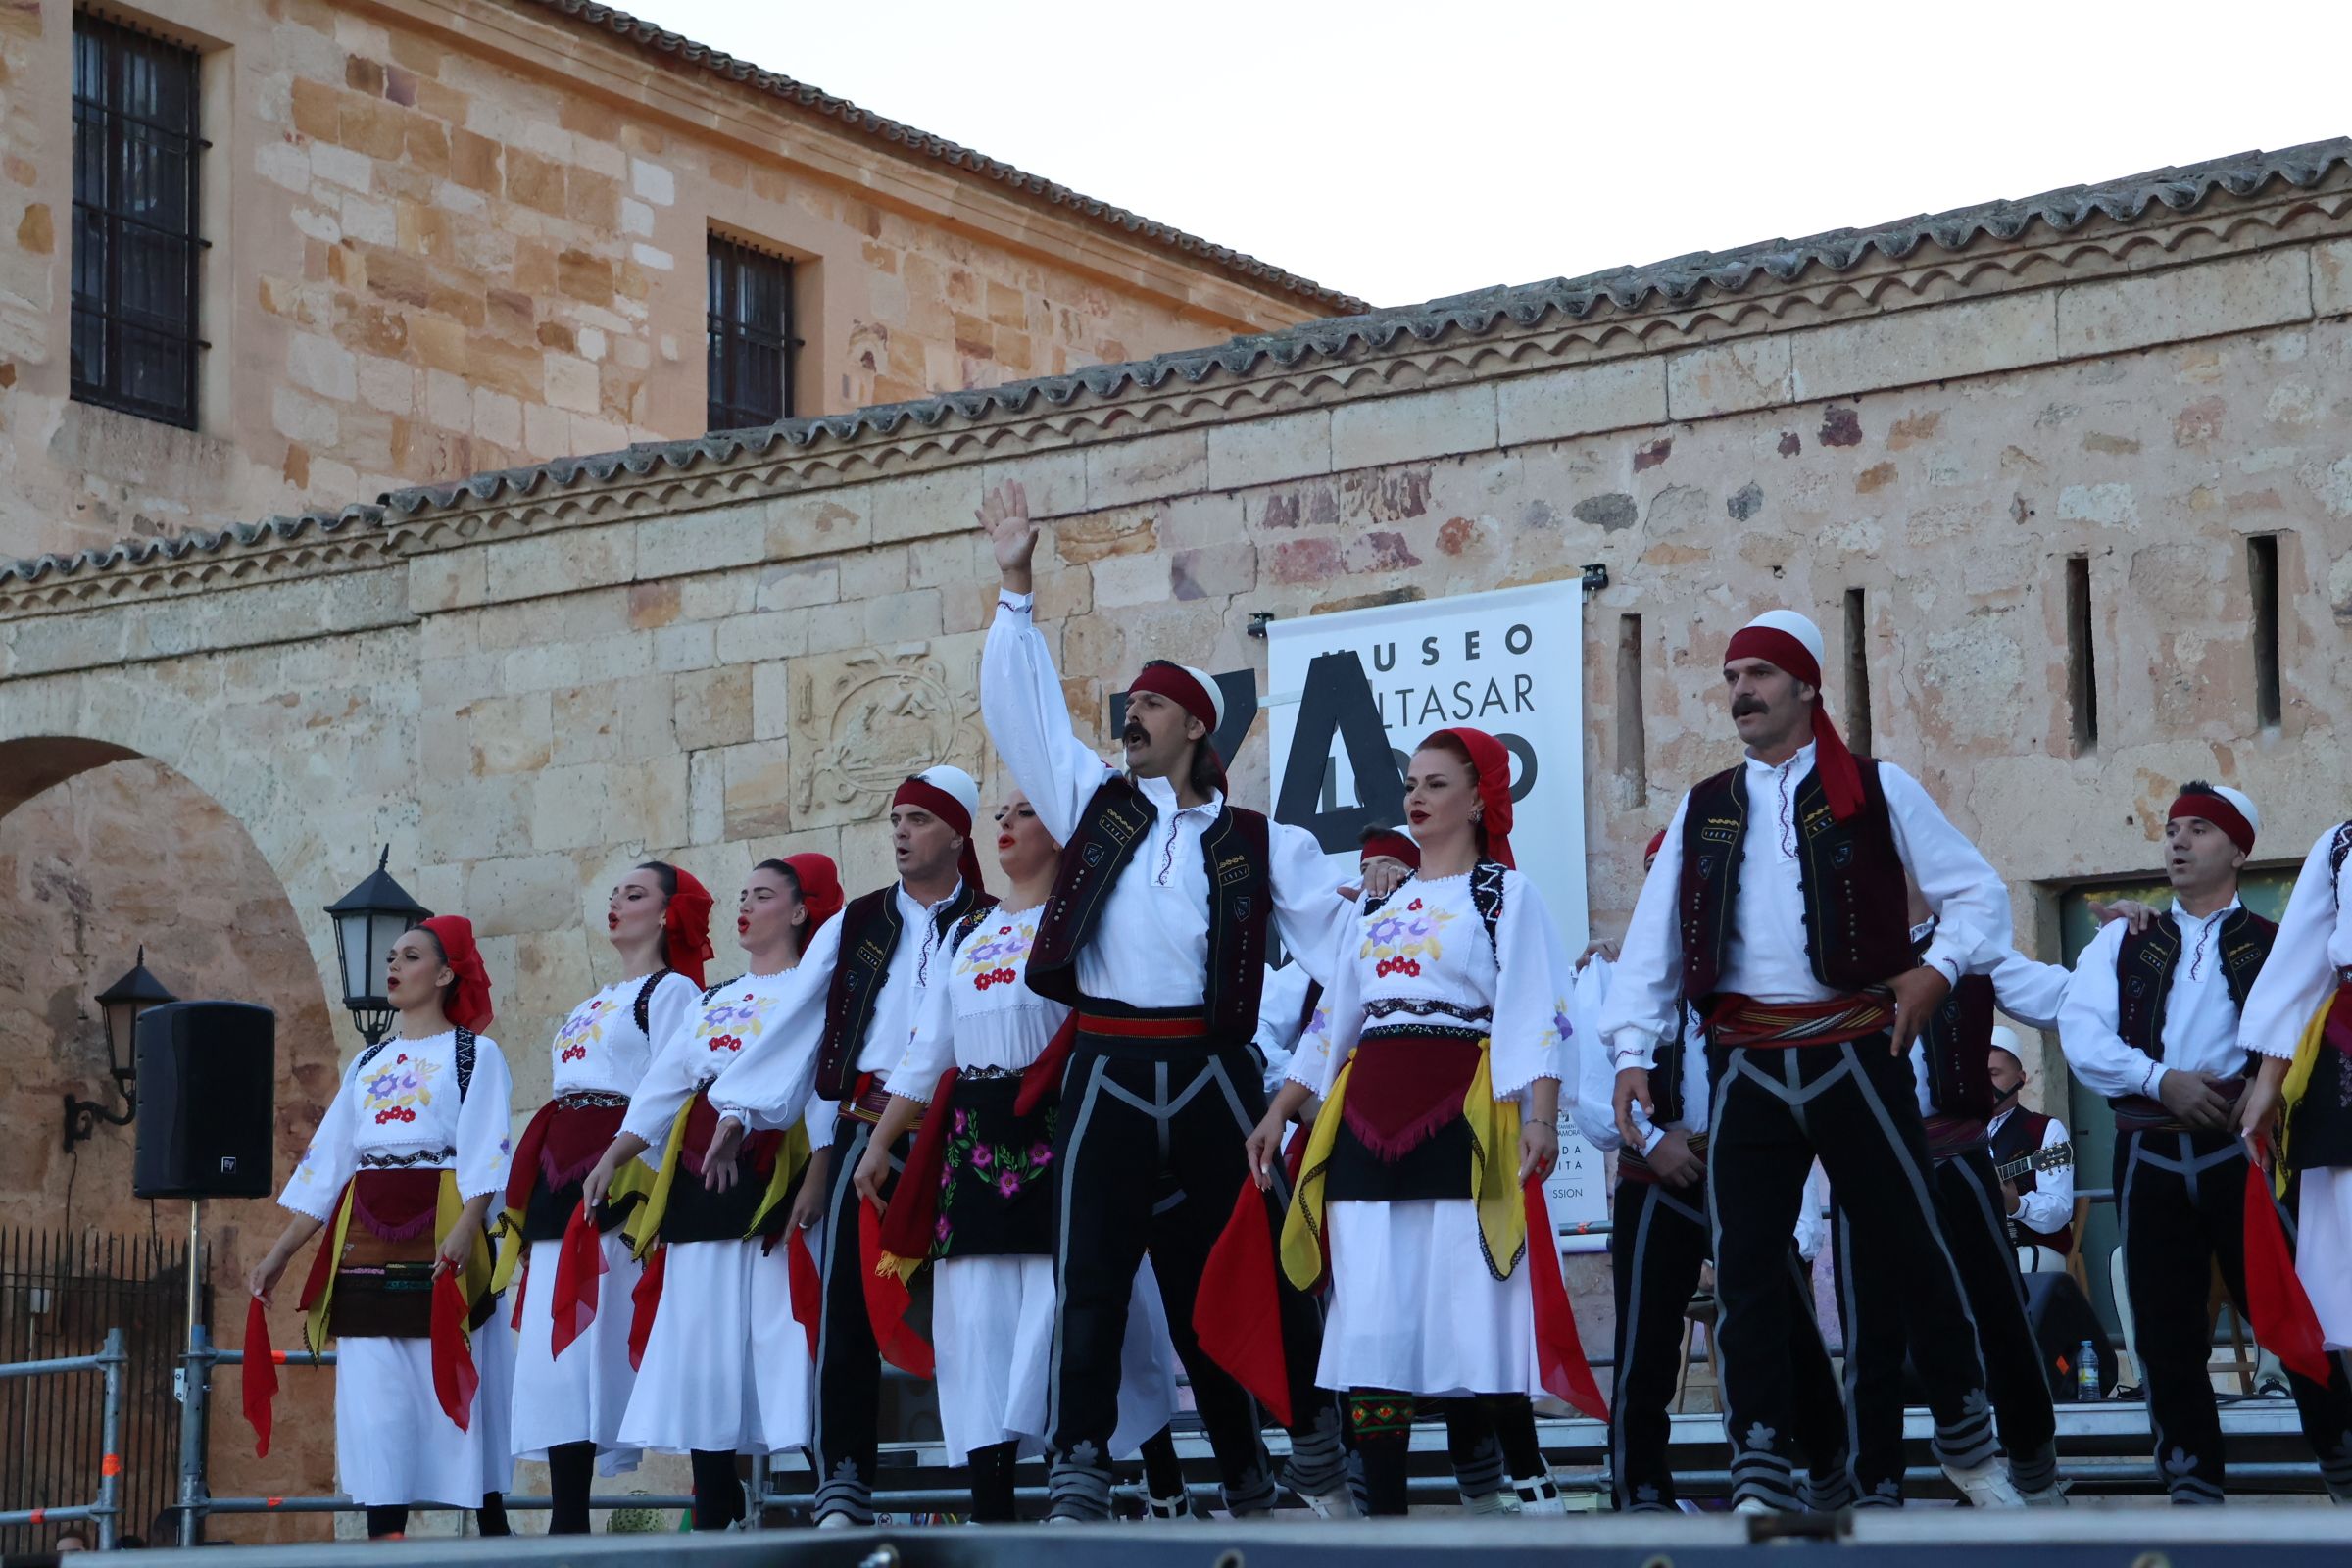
(1414, 1307)
(992, 1326)
(725, 1368)
(580, 1396)
(2324, 1250)
(394, 1446)
(493, 1346)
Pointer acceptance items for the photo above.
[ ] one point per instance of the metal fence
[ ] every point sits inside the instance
(60, 1297)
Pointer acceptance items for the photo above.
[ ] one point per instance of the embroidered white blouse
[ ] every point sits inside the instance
(1422, 960)
(398, 1107)
(600, 1049)
(2313, 947)
(779, 1016)
(978, 1012)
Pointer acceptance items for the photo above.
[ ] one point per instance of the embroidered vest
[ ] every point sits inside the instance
(2021, 1135)
(2143, 973)
(1958, 1044)
(1856, 931)
(1240, 896)
(869, 935)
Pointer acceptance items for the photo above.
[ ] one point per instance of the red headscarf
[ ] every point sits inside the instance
(469, 1006)
(1493, 761)
(821, 887)
(1392, 843)
(1655, 845)
(1781, 647)
(2219, 812)
(1193, 690)
(925, 796)
(686, 926)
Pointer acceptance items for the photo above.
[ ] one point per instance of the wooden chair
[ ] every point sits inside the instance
(2242, 1358)
(2075, 1265)
(1699, 1317)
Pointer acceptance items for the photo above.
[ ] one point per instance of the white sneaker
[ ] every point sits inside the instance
(1179, 1507)
(1985, 1486)
(1538, 1497)
(1337, 1503)
(1751, 1506)
(836, 1521)
(1497, 1501)
(2053, 1496)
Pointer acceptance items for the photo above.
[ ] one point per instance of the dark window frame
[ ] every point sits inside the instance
(137, 111)
(749, 318)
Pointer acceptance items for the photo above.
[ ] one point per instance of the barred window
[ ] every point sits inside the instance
(750, 336)
(135, 152)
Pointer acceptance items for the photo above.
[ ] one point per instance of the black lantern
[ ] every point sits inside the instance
(121, 1004)
(369, 919)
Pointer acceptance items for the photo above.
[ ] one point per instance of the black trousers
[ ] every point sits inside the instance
(1150, 1153)
(849, 1363)
(1851, 1106)
(2181, 1198)
(1872, 1300)
(1659, 1237)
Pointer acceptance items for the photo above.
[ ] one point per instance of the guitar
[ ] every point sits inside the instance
(2055, 1157)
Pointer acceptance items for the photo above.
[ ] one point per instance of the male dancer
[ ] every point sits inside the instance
(1157, 934)
(2151, 1022)
(880, 953)
(1659, 1237)
(1777, 907)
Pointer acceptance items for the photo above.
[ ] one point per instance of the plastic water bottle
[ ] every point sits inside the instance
(2086, 1372)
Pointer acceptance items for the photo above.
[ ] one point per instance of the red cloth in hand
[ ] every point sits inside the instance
(915, 1203)
(2277, 1307)
(1237, 1313)
(887, 1299)
(644, 1302)
(807, 1286)
(1561, 1364)
(455, 1379)
(260, 1375)
(579, 1265)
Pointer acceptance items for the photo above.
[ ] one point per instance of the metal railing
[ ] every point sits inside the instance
(109, 1362)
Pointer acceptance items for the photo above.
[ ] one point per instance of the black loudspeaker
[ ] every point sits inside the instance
(2062, 1320)
(208, 1112)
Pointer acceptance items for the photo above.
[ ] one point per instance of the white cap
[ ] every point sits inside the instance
(2005, 1037)
(1796, 627)
(1216, 694)
(956, 784)
(2245, 806)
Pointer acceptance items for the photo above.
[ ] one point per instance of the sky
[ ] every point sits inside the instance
(1399, 153)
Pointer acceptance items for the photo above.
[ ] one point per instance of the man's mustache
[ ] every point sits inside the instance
(1135, 734)
(1741, 707)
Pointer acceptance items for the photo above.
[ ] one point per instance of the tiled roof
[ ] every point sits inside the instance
(1680, 281)
(922, 144)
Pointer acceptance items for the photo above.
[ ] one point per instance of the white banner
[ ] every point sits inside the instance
(1510, 662)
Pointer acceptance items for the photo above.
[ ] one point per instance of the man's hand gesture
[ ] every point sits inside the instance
(1005, 518)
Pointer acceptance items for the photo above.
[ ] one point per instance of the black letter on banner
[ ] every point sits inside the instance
(1339, 702)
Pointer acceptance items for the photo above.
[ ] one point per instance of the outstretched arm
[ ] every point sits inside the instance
(1021, 700)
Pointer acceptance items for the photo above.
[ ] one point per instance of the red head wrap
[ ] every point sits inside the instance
(1657, 843)
(2220, 812)
(686, 927)
(1492, 759)
(925, 796)
(1841, 775)
(1392, 843)
(468, 1004)
(820, 888)
(1183, 687)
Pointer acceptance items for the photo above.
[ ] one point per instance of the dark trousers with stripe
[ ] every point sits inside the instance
(1850, 1105)
(1658, 1239)
(849, 1363)
(2181, 1198)
(1150, 1153)
(1871, 1299)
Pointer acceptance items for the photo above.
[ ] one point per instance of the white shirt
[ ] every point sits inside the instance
(403, 1105)
(2200, 1022)
(1282, 1020)
(2021, 987)
(2050, 1206)
(768, 1025)
(1151, 947)
(900, 999)
(1422, 958)
(978, 1010)
(2314, 942)
(1596, 1088)
(600, 1049)
(1767, 957)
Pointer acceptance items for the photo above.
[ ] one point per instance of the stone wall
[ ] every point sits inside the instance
(450, 237)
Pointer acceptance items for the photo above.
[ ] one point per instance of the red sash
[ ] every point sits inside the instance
(454, 1380)
(260, 1391)
(1237, 1315)
(2277, 1306)
(579, 1265)
(1743, 1021)
(1561, 1364)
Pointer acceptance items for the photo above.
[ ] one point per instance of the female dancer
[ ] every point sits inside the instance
(569, 1399)
(726, 1366)
(977, 1195)
(400, 1175)
(1440, 1074)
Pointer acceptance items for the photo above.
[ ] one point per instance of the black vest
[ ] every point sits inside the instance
(1857, 933)
(2144, 965)
(1957, 1040)
(1240, 896)
(869, 935)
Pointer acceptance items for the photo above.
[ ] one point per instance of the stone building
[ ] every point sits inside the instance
(2067, 480)
(271, 258)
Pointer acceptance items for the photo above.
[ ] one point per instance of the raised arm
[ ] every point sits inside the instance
(1020, 692)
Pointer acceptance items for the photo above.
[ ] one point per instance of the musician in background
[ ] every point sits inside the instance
(2041, 1205)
